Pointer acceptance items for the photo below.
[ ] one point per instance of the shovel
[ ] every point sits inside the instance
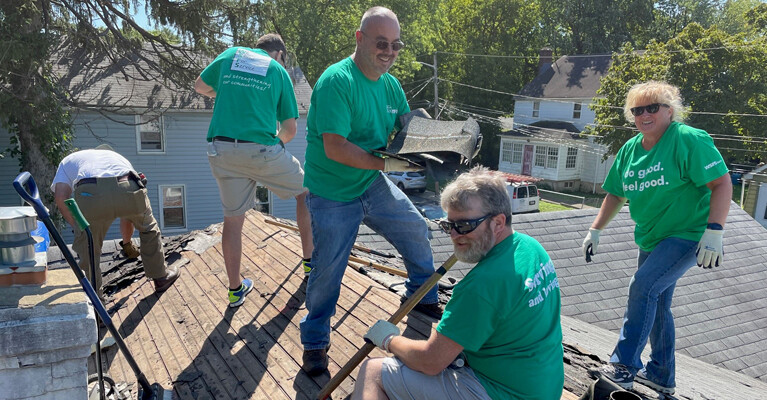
(23, 181)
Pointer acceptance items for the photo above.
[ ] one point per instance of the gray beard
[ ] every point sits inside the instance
(478, 249)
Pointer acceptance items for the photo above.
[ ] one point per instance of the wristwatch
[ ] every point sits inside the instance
(714, 226)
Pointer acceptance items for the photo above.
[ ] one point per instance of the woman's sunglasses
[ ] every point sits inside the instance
(462, 227)
(396, 45)
(651, 109)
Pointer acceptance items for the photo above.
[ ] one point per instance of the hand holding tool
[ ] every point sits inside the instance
(709, 252)
(404, 309)
(590, 243)
(395, 164)
(381, 334)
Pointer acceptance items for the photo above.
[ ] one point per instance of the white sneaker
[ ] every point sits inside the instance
(641, 377)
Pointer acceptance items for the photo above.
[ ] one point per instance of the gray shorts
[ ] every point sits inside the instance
(238, 167)
(454, 383)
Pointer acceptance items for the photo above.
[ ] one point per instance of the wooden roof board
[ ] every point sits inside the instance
(190, 341)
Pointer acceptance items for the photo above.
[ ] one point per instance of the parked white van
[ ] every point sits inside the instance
(524, 197)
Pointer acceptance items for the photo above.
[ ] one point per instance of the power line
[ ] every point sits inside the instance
(637, 52)
(423, 86)
(593, 104)
(418, 81)
(757, 140)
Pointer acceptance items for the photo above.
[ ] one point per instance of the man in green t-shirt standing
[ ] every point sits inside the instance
(355, 105)
(253, 91)
(500, 336)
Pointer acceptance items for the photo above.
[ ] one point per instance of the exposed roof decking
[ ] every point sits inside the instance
(190, 340)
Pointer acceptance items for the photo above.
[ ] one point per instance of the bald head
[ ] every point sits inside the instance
(377, 14)
(376, 50)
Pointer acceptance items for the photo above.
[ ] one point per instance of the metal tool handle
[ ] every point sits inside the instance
(82, 223)
(404, 309)
(32, 197)
(23, 181)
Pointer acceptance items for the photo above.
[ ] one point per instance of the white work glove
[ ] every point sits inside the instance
(395, 164)
(709, 250)
(381, 334)
(590, 243)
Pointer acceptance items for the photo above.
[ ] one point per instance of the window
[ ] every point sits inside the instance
(546, 157)
(533, 190)
(263, 200)
(521, 192)
(568, 185)
(536, 108)
(173, 204)
(577, 110)
(150, 133)
(551, 162)
(572, 157)
(516, 155)
(506, 151)
(540, 156)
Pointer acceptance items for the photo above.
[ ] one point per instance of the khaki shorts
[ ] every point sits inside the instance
(453, 383)
(237, 168)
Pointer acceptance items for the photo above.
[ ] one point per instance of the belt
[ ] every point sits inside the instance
(231, 140)
(94, 180)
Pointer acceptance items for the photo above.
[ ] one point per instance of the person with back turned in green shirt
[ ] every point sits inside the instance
(679, 192)
(500, 336)
(355, 105)
(253, 92)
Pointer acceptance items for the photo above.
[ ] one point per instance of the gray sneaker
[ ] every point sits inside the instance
(618, 374)
(642, 378)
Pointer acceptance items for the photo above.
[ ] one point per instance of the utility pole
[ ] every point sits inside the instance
(436, 89)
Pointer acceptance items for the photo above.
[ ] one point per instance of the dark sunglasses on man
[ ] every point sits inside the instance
(396, 45)
(463, 227)
(651, 109)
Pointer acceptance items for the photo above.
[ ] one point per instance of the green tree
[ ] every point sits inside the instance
(594, 26)
(721, 79)
(35, 106)
(756, 18)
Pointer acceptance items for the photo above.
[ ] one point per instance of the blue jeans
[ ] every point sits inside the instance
(387, 211)
(648, 313)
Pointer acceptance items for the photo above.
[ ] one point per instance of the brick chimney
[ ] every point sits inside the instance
(544, 59)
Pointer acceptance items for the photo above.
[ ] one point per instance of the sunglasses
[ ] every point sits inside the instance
(396, 45)
(462, 227)
(651, 109)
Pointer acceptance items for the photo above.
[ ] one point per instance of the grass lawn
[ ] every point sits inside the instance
(545, 206)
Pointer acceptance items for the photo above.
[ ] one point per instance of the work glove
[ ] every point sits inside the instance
(381, 334)
(590, 243)
(395, 164)
(709, 250)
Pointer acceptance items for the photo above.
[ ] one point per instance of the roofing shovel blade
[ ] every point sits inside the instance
(27, 188)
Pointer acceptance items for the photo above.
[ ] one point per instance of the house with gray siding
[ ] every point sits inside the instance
(162, 131)
(549, 113)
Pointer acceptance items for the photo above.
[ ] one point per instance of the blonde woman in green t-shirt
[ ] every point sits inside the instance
(679, 191)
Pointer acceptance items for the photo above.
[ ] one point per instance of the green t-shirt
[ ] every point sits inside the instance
(505, 313)
(253, 93)
(666, 186)
(345, 102)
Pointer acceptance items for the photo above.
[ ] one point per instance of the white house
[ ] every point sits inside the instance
(755, 202)
(168, 144)
(549, 114)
